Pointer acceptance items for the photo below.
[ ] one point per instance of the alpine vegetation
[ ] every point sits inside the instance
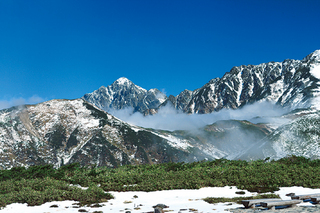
(39, 184)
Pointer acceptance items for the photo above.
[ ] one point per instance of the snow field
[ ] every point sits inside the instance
(177, 200)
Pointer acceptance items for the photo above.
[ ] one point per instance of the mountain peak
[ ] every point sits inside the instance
(123, 93)
(313, 57)
(122, 81)
(316, 55)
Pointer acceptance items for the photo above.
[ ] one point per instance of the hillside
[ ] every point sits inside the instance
(67, 131)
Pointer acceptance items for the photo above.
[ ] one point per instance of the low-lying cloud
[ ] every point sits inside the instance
(4, 104)
(169, 118)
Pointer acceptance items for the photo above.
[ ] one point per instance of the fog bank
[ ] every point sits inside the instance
(170, 119)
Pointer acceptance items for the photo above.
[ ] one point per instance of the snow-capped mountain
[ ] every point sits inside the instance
(291, 84)
(66, 131)
(123, 94)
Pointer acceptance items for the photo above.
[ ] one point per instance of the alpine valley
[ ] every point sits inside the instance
(84, 130)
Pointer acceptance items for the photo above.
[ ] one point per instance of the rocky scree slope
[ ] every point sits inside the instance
(67, 131)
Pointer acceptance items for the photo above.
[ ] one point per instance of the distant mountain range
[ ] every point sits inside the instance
(289, 84)
(81, 130)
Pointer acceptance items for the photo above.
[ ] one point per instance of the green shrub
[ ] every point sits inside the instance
(38, 191)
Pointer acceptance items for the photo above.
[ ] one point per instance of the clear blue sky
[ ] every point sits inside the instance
(63, 49)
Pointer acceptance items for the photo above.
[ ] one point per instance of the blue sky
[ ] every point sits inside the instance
(54, 49)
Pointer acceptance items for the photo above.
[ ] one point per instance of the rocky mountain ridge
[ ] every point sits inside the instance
(290, 84)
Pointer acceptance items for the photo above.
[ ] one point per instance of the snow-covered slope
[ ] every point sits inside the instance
(66, 131)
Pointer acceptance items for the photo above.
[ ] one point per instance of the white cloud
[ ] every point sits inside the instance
(169, 118)
(4, 104)
(34, 100)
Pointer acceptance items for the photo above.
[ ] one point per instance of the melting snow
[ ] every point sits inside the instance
(175, 142)
(135, 128)
(175, 199)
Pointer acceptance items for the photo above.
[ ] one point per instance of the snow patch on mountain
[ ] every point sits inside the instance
(176, 142)
(315, 71)
(123, 81)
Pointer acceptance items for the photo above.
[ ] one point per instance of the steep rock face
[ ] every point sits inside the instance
(65, 131)
(179, 102)
(291, 83)
(183, 99)
(123, 94)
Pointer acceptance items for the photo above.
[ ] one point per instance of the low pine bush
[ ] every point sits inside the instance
(38, 191)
